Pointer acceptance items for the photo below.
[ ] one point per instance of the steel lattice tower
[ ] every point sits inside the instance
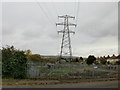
(66, 42)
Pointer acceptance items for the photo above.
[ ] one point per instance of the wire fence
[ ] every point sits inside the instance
(71, 71)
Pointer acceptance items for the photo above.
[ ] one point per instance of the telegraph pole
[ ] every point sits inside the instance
(66, 42)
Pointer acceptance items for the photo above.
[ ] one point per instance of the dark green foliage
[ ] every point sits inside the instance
(77, 60)
(90, 59)
(118, 62)
(38, 58)
(81, 58)
(0, 55)
(108, 62)
(34, 57)
(13, 63)
(103, 61)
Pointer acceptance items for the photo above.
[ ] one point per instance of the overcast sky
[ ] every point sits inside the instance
(31, 25)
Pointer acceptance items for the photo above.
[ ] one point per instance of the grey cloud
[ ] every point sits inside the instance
(32, 32)
(99, 22)
(27, 26)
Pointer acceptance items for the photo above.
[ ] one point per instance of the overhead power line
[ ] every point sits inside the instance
(44, 12)
(53, 5)
(75, 9)
(77, 13)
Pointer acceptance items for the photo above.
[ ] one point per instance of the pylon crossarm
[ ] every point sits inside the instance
(66, 16)
(60, 24)
(60, 31)
(71, 24)
(61, 16)
(70, 17)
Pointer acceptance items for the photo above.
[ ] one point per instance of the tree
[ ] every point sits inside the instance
(76, 60)
(38, 58)
(0, 55)
(7, 53)
(96, 62)
(103, 61)
(14, 63)
(81, 58)
(117, 62)
(108, 62)
(90, 59)
(28, 52)
(34, 57)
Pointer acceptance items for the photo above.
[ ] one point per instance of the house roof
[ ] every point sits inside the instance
(108, 57)
(118, 57)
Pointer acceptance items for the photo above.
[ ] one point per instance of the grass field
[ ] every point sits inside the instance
(74, 70)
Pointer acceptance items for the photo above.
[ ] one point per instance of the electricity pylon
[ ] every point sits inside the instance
(66, 42)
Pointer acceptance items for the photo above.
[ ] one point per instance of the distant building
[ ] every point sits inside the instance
(112, 60)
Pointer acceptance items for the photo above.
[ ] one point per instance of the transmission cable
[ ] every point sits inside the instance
(44, 11)
(74, 10)
(55, 8)
(52, 16)
(77, 13)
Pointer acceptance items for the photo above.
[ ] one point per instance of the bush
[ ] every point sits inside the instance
(118, 62)
(103, 61)
(13, 63)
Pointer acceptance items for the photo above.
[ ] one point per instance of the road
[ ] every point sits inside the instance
(101, 84)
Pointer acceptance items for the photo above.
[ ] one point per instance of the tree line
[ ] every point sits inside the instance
(14, 61)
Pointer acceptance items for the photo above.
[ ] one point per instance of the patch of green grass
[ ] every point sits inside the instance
(41, 67)
(58, 71)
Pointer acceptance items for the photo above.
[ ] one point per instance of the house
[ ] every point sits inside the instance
(113, 59)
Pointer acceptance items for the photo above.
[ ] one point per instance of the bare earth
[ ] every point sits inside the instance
(101, 84)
